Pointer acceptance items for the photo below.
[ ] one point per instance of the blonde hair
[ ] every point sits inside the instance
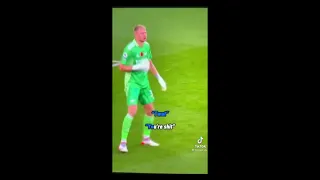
(137, 27)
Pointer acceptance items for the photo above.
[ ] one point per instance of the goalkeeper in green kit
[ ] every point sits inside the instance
(136, 62)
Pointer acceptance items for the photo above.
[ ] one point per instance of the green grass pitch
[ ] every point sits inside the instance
(178, 39)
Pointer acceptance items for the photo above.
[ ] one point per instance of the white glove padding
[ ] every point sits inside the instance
(162, 83)
(144, 66)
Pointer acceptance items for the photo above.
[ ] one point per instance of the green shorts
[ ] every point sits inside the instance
(135, 93)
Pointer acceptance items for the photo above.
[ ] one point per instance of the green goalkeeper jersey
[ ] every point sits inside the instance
(134, 54)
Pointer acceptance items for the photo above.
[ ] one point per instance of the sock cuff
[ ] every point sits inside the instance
(129, 116)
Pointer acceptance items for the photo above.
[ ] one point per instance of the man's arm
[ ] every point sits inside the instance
(125, 68)
(155, 72)
(153, 69)
(123, 63)
(137, 67)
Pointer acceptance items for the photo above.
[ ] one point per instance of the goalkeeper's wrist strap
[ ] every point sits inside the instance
(158, 76)
(136, 67)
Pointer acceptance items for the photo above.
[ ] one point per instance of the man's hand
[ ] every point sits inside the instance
(162, 83)
(144, 66)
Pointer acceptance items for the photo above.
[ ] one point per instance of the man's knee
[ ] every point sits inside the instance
(132, 110)
(148, 108)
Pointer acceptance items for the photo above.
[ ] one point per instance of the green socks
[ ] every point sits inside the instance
(126, 127)
(127, 124)
(147, 120)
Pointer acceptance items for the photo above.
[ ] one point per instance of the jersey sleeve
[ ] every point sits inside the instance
(125, 56)
(150, 54)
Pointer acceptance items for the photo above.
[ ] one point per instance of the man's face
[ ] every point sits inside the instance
(141, 34)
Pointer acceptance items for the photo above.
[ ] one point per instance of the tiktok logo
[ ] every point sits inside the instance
(200, 140)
